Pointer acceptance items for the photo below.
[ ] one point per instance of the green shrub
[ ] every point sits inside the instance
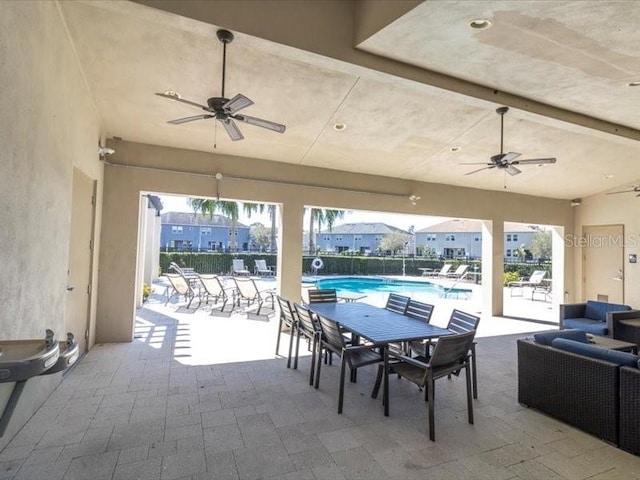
(511, 277)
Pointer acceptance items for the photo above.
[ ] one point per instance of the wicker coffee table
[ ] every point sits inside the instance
(607, 342)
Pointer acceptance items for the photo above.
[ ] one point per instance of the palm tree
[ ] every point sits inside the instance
(207, 206)
(322, 216)
(250, 208)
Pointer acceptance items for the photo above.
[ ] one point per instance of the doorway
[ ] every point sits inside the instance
(603, 263)
(80, 258)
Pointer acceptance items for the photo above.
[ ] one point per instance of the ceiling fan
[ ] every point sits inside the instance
(221, 108)
(635, 190)
(507, 161)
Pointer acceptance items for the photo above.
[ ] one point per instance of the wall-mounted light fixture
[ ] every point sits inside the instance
(104, 151)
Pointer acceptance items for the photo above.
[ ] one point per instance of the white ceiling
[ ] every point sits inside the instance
(577, 57)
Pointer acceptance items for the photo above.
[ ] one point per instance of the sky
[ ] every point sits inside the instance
(179, 204)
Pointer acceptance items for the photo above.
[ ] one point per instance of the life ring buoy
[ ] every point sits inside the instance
(317, 264)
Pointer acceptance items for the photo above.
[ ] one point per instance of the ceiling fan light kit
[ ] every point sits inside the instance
(507, 161)
(221, 108)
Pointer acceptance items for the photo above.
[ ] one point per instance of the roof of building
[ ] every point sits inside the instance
(473, 226)
(362, 229)
(187, 218)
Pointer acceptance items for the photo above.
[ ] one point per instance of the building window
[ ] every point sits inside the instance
(515, 237)
(450, 238)
(476, 238)
(338, 239)
(358, 238)
(508, 253)
(508, 237)
(176, 229)
(205, 231)
(231, 233)
(327, 239)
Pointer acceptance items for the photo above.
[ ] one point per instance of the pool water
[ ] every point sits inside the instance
(368, 285)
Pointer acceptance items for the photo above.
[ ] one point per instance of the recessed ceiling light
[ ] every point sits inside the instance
(339, 126)
(609, 175)
(633, 84)
(455, 149)
(480, 23)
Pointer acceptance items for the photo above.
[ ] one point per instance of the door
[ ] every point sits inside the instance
(80, 258)
(603, 263)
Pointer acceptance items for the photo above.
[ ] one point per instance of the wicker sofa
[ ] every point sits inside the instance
(597, 396)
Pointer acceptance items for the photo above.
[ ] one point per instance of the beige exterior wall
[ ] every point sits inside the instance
(137, 168)
(48, 125)
(611, 210)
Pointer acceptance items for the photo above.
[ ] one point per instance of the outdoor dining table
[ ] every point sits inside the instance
(381, 327)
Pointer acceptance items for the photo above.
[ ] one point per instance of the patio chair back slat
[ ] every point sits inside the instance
(397, 303)
(323, 295)
(419, 310)
(461, 322)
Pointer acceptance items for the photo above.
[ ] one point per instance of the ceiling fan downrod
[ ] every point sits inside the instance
(501, 111)
(225, 36)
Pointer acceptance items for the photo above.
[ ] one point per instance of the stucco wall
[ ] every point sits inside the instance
(138, 168)
(48, 125)
(610, 210)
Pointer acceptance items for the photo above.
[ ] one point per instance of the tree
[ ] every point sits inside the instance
(250, 208)
(259, 235)
(207, 206)
(394, 241)
(541, 244)
(320, 217)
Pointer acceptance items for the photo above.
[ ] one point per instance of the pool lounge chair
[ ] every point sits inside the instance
(247, 290)
(535, 280)
(460, 272)
(441, 273)
(239, 268)
(262, 269)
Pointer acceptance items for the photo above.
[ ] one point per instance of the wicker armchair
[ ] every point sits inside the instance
(578, 390)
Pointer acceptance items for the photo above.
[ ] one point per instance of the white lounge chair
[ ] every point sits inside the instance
(459, 273)
(442, 273)
(262, 269)
(535, 280)
(248, 291)
(239, 268)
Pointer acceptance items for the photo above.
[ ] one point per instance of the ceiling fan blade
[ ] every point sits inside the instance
(622, 191)
(511, 170)
(538, 161)
(182, 100)
(477, 163)
(259, 122)
(480, 169)
(190, 119)
(236, 104)
(509, 156)
(232, 129)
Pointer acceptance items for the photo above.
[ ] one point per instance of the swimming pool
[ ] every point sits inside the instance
(367, 285)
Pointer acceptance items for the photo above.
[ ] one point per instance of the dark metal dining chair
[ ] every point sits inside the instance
(459, 322)
(323, 295)
(308, 327)
(289, 318)
(355, 356)
(450, 355)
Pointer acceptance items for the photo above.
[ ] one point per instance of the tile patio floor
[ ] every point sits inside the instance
(199, 397)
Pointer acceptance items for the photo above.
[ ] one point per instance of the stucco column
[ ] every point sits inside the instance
(492, 267)
(290, 223)
(558, 270)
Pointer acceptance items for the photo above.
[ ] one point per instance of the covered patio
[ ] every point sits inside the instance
(191, 399)
(384, 103)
